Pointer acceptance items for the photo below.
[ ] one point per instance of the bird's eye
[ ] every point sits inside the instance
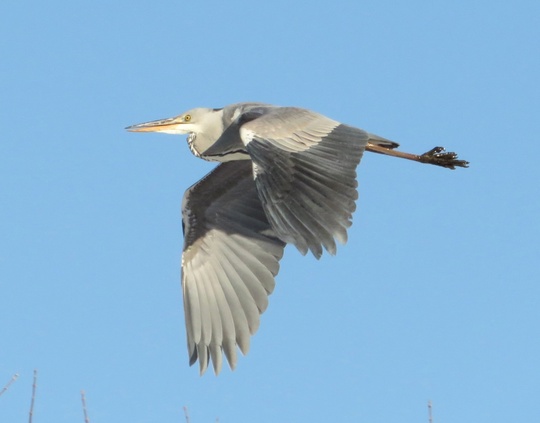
(187, 118)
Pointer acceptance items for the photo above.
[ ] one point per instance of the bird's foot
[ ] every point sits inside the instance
(439, 157)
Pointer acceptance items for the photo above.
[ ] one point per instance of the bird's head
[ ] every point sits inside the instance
(193, 121)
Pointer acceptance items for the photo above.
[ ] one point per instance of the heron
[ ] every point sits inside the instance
(287, 175)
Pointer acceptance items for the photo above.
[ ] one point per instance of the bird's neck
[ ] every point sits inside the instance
(201, 141)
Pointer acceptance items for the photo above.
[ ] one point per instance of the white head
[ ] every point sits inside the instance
(203, 125)
(199, 121)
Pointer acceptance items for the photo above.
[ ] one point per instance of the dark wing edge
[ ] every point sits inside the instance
(307, 182)
(230, 259)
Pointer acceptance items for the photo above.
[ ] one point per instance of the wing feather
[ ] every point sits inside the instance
(305, 172)
(231, 256)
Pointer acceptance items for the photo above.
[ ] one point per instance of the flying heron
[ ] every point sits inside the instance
(288, 176)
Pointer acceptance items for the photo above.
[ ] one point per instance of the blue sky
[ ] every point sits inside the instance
(435, 297)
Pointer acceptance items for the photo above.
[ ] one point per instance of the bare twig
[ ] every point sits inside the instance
(13, 379)
(430, 409)
(186, 414)
(34, 386)
(85, 411)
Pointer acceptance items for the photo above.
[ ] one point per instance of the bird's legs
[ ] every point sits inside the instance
(436, 156)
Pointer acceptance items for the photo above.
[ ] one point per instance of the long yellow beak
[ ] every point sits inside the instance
(169, 125)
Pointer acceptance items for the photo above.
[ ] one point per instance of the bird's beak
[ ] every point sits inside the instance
(169, 126)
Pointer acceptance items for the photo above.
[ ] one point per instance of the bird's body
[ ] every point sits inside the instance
(288, 177)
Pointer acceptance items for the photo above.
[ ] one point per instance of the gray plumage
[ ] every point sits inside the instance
(288, 176)
(231, 255)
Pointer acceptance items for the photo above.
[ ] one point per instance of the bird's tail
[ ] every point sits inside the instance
(383, 142)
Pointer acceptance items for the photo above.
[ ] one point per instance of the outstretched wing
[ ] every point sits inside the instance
(230, 258)
(305, 172)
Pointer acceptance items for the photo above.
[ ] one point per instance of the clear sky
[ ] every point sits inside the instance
(435, 297)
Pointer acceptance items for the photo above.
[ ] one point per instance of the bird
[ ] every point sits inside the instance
(287, 175)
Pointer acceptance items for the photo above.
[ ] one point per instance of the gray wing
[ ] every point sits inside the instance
(230, 258)
(305, 172)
